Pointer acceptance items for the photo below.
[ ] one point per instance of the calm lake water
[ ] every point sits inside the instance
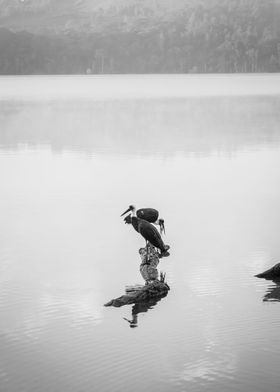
(69, 166)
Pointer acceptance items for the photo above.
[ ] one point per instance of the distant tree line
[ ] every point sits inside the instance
(223, 36)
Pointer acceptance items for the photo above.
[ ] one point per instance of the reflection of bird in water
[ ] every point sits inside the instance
(149, 232)
(141, 307)
(148, 214)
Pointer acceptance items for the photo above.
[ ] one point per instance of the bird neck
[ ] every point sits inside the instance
(133, 213)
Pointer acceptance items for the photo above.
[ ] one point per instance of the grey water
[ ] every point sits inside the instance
(208, 157)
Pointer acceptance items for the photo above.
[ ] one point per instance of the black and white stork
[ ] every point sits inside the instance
(148, 214)
(147, 230)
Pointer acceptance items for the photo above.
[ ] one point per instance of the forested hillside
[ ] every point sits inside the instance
(139, 36)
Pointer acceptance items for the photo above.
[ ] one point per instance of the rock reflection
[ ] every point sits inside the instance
(273, 292)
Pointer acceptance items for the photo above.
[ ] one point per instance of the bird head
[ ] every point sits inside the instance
(130, 208)
(161, 225)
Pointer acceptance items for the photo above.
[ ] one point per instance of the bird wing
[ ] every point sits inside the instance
(135, 223)
(149, 214)
(150, 233)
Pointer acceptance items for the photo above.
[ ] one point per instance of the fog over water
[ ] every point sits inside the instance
(118, 87)
(70, 165)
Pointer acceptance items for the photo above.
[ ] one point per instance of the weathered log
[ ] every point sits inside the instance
(154, 287)
(272, 273)
(150, 261)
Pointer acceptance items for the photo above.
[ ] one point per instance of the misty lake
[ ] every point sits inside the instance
(75, 152)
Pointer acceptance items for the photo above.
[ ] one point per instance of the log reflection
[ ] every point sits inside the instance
(144, 297)
(142, 307)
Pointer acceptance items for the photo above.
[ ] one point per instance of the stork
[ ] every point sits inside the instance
(148, 214)
(148, 231)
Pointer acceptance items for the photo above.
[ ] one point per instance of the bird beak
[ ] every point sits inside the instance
(162, 228)
(126, 211)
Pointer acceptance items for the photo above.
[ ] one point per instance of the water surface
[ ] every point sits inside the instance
(68, 169)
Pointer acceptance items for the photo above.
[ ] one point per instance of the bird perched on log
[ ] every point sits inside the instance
(149, 232)
(148, 214)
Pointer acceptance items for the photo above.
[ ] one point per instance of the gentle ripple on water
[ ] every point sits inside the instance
(68, 169)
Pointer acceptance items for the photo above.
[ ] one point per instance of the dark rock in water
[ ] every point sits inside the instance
(272, 273)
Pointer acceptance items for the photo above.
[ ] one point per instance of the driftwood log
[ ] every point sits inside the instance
(272, 273)
(155, 287)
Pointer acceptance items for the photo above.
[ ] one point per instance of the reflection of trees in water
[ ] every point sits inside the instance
(188, 125)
